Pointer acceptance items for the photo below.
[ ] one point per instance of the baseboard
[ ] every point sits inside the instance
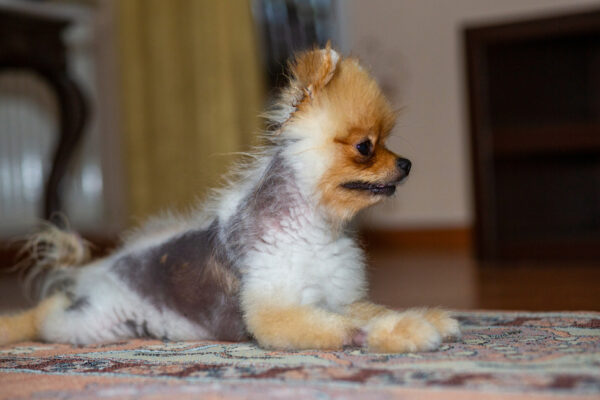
(443, 238)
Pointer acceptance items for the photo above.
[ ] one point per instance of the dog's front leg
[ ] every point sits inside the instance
(407, 331)
(298, 327)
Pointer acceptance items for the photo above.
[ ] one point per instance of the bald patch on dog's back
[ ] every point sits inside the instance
(190, 275)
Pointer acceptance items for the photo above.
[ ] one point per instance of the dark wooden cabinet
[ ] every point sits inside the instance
(534, 104)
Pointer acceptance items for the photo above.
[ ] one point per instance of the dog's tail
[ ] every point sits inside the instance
(47, 261)
(48, 257)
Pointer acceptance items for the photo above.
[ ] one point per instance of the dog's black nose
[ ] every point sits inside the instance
(403, 165)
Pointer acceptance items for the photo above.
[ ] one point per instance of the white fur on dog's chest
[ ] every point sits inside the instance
(306, 267)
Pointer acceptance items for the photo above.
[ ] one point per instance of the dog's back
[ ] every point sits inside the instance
(181, 287)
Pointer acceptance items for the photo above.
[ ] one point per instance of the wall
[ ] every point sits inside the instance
(415, 50)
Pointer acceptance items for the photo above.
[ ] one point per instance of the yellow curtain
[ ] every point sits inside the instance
(191, 92)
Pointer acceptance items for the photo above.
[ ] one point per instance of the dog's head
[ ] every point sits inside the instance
(336, 112)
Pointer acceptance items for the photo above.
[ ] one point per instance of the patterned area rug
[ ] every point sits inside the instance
(501, 355)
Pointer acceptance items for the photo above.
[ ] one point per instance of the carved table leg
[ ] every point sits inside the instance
(73, 112)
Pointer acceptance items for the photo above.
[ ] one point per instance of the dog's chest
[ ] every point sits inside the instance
(308, 267)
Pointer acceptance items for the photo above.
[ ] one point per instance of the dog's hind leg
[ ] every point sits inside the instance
(86, 320)
(27, 325)
(61, 319)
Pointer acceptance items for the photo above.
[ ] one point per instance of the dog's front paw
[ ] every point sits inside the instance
(402, 333)
(448, 327)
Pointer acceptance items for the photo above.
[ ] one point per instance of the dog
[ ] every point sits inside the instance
(269, 258)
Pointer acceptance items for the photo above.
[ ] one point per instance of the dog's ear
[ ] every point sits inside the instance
(313, 69)
(310, 72)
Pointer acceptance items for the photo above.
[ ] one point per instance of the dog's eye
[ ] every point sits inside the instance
(365, 147)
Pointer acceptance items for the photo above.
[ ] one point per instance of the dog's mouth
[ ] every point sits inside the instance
(379, 189)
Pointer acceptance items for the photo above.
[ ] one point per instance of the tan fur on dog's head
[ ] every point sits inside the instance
(334, 103)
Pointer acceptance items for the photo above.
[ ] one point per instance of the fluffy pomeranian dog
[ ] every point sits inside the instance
(268, 258)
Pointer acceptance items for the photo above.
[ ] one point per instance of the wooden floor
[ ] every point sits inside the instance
(454, 280)
(451, 278)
